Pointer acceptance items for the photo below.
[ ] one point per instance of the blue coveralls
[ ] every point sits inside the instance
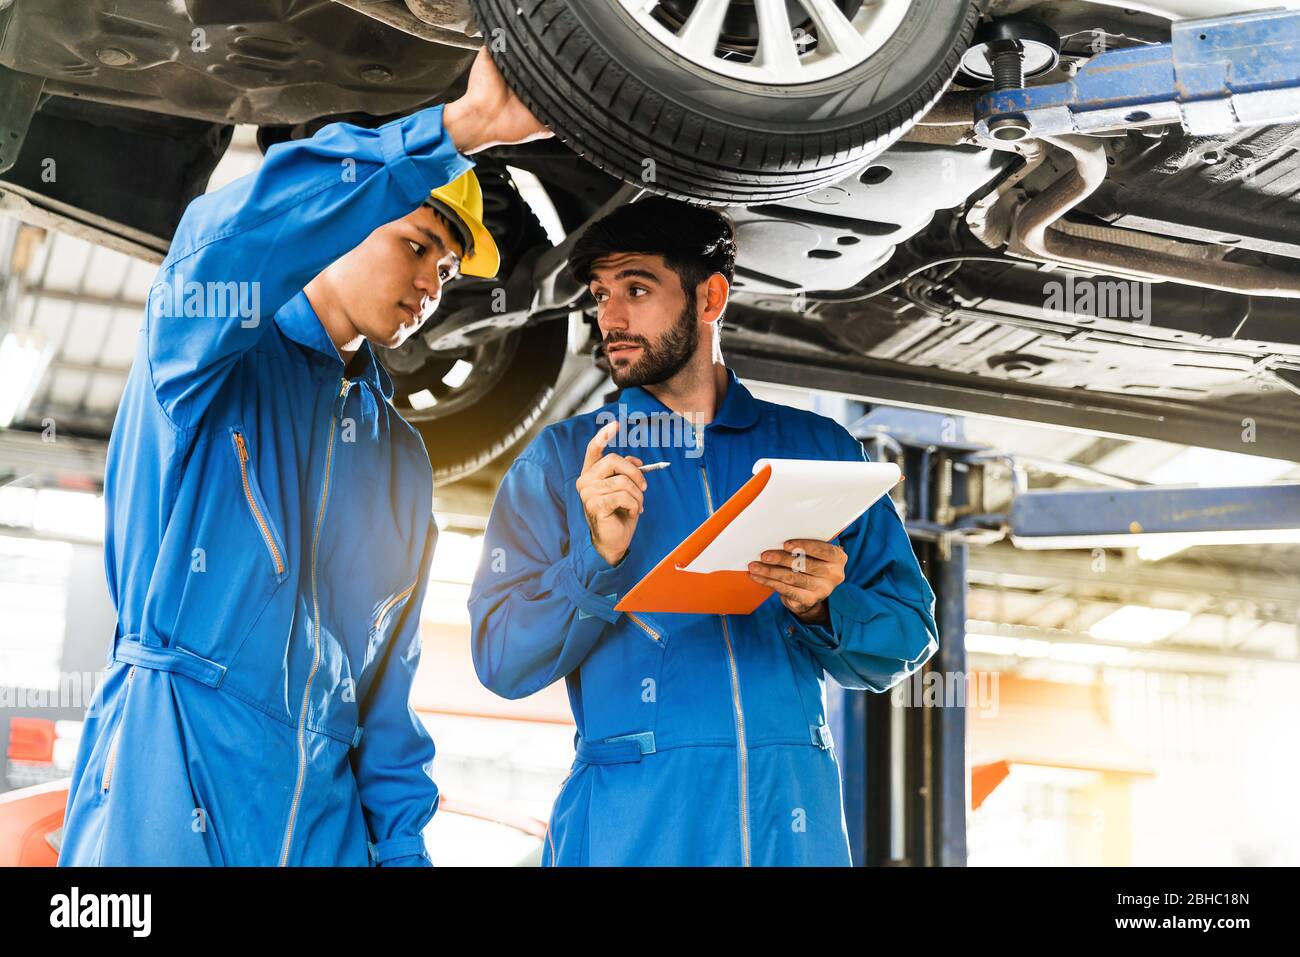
(702, 739)
(269, 533)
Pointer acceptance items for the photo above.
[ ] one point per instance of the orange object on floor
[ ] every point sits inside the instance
(984, 778)
(27, 819)
(31, 739)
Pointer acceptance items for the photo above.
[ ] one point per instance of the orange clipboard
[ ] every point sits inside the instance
(666, 588)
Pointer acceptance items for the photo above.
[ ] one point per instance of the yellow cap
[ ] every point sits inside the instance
(464, 197)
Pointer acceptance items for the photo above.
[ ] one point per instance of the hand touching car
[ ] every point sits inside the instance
(489, 114)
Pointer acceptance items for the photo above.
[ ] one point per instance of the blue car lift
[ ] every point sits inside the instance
(1122, 518)
(903, 764)
(904, 768)
(1214, 76)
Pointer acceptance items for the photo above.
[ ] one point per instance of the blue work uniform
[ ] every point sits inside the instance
(269, 533)
(701, 739)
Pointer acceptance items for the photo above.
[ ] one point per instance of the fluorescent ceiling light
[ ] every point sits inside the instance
(1139, 624)
(22, 360)
(1194, 465)
(1065, 651)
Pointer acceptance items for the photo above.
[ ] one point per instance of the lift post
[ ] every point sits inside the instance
(903, 762)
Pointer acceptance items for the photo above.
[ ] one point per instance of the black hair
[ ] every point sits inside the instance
(695, 241)
(456, 229)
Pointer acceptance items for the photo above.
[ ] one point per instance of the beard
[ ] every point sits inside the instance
(659, 361)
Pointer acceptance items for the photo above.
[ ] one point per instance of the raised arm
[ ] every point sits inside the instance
(241, 252)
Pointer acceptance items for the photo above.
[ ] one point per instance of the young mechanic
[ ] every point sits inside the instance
(269, 514)
(701, 738)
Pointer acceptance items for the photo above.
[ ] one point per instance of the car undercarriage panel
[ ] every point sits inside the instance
(980, 363)
(1239, 189)
(268, 62)
(830, 239)
(878, 279)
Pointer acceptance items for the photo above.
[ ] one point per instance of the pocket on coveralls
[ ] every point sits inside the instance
(110, 763)
(257, 504)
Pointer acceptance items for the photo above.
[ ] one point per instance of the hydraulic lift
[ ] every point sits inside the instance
(903, 763)
(1215, 75)
(903, 760)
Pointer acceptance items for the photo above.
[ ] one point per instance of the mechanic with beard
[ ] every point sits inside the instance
(270, 520)
(701, 739)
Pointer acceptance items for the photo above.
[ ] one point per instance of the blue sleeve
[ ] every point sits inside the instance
(882, 625)
(243, 251)
(539, 603)
(393, 764)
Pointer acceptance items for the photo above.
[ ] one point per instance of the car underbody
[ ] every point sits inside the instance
(918, 280)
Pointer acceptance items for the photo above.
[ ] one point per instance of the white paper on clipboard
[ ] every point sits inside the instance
(803, 498)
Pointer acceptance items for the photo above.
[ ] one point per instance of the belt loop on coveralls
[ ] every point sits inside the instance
(112, 649)
(151, 653)
(620, 749)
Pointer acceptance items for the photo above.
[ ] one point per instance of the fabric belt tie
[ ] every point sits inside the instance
(622, 749)
(133, 650)
(169, 658)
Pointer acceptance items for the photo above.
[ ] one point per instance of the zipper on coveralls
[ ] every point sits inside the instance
(315, 627)
(644, 627)
(111, 762)
(735, 693)
(390, 605)
(252, 504)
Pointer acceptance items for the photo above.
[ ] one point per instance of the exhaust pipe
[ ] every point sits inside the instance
(1033, 237)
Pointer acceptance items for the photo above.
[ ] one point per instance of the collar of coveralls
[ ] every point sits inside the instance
(739, 409)
(298, 320)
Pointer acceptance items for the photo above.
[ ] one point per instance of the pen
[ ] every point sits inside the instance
(654, 466)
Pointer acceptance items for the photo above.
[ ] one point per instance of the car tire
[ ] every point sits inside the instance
(519, 369)
(631, 104)
(466, 441)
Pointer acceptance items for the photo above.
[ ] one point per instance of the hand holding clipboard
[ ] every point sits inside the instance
(786, 499)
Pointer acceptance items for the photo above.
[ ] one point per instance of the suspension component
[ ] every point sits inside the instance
(1214, 76)
(1006, 53)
